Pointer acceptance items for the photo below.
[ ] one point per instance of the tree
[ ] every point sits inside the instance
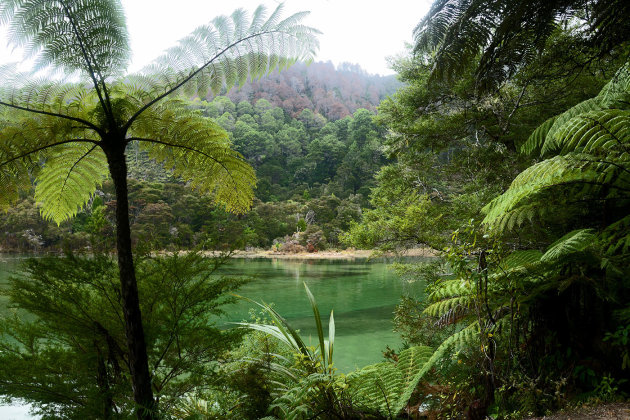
(500, 37)
(80, 130)
(63, 350)
(585, 171)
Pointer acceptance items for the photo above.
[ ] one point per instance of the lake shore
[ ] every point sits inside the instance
(346, 254)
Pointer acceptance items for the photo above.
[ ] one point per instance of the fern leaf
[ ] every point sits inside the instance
(465, 337)
(550, 145)
(592, 132)
(445, 306)
(537, 139)
(451, 288)
(616, 237)
(381, 387)
(570, 243)
(519, 259)
(617, 88)
(81, 35)
(570, 169)
(410, 363)
(68, 179)
(198, 151)
(229, 49)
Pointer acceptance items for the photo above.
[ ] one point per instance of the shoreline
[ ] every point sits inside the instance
(345, 254)
(350, 254)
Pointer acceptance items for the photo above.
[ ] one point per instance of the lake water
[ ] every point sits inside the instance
(363, 295)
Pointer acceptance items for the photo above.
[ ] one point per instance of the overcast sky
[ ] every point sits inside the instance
(358, 31)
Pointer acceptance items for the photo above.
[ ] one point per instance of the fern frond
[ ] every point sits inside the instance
(198, 151)
(386, 387)
(559, 170)
(229, 50)
(537, 139)
(68, 179)
(617, 87)
(550, 145)
(520, 259)
(616, 237)
(445, 306)
(410, 363)
(80, 35)
(376, 387)
(26, 141)
(570, 243)
(451, 288)
(593, 132)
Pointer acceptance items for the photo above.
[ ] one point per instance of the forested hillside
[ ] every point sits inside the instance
(332, 92)
(314, 172)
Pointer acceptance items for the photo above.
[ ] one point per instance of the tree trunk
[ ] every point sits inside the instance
(138, 361)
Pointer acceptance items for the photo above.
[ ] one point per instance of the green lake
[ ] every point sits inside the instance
(362, 294)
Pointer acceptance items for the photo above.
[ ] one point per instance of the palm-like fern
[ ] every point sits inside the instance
(387, 387)
(69, 135)
(589, 161)
(498, 37)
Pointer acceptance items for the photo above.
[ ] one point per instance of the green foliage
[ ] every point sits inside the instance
(177, 130)
(499, 38)
(387, 387)
(590, 163)
(73, 118)
(312, 385)
(75, 169)
(64, 347)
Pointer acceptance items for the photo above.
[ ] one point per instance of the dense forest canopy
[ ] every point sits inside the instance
(306, 164)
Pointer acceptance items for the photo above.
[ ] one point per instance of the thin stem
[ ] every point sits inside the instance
(189, 77)
(86, 123)
(39, 149)
(91, 70)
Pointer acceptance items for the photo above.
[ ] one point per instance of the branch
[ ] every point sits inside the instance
(181, 146)
(73, 166)
(189, 77)
(106, 105)
(518, 102)
(54, 114)
(39, 149)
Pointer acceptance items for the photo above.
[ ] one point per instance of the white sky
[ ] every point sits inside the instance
(364, 32)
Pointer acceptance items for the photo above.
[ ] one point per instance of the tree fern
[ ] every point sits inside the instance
(596, 132)
(616, 237)
(192, 145)
(519, 259)
(228, 50)
(87, 125)
(592, 104)
(591, 142)
(536, 140)
(500, 37)
(530, 184)
(70, 34)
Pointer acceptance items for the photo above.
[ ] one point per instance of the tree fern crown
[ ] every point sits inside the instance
(62, 133)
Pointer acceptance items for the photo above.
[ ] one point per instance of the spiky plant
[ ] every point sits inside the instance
(69, 135)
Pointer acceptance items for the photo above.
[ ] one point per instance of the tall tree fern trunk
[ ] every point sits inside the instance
(138, 361)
